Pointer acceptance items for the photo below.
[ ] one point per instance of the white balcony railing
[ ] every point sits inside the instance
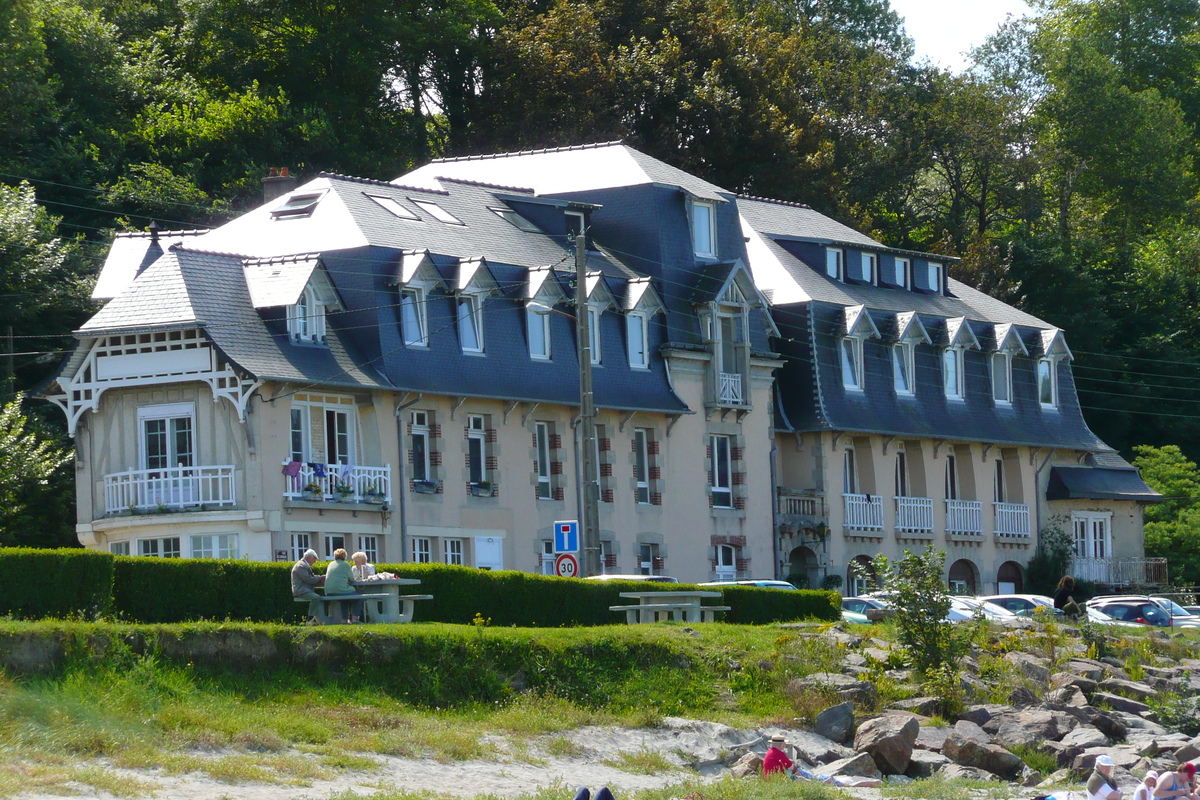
(1133, 571)
(729, 388)
(914, 514)
(964, 517)
(864, 512)
(1012, 520)
(171, 488)
(364, 484)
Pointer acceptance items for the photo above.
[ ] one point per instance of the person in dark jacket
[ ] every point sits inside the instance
(1063, 596)
(305, 583)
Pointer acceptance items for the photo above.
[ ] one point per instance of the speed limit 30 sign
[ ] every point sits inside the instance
(566, 565)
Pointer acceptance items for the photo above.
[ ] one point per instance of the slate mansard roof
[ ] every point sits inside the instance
(235, 281)
(811, 310)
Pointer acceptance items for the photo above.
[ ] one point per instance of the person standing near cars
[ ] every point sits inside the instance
(1064, 599)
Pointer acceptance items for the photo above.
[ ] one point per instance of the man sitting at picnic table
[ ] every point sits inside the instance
(304, 584)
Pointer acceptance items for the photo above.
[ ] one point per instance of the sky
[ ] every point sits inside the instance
(945, 29)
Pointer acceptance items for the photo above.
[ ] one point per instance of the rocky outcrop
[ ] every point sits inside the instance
(836, 723)
(889, 740)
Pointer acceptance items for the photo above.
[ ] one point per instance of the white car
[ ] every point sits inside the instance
(762, 583)
(644, 578)
(964, 608)
(1023, 605)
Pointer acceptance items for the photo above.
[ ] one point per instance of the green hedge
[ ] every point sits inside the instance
(55, 583)
(183, 589)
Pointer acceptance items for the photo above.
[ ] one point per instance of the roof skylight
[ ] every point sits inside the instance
(437, 212)
(298, 205)
(393, 206)
(509, 215)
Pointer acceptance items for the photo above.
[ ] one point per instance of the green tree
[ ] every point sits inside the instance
(1173, 526)
(29, 461)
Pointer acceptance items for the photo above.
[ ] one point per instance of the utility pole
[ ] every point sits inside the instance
(590, 513)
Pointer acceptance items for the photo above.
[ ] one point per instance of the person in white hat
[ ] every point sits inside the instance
(1145, 789)
(1101, 785)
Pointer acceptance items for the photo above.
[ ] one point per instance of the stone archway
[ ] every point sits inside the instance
(964, 577)
(803, 569)
(860, 576)
(1010, 578)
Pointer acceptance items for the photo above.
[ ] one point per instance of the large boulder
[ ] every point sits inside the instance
(848, 688)
(749, 764)
(931, 737)
(836, 723)
(889, 740)
(978, 751)
(963, 771)
(925, 763)
(1139, 691)
(1120, 703)
(925, 706)
(1041, 723)
(857, 766)
(1033, 667)
(816, 749)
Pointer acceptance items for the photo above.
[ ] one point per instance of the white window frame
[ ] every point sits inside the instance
(300, 542)
(647, 552)
(160, 547)
(935, 276)
(903, 368)
(422, 550)
(119, 548)
(951, 477)
(1047, 379)
(437, 212)
(870, 263)
(333, 541)
(726, 558)
(477, 432)
(999, 482)
(903, 486)
(469, 312)
(904, 272)
(952, 358)
(835, 263)
(306, 318)
(1086, 543)
(637, 329)
(641, 465)
(849, 471)
(539, 321)
(851, 351)
(720, 484)
(214, 545)
(166, 412)
(542, 433)
(369, 546)
(454, 552)
(421, 465)
(546, 557)
(704, 226)
(298, 433)
(393, 206)
(1002, 378)
(413, 326)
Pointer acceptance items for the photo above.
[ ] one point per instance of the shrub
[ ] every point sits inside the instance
(178, 590)
(55, 583)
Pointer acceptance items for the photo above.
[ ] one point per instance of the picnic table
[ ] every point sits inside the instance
(684, 605)
(383, 601)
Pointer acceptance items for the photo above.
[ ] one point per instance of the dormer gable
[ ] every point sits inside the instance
(415, 267)
(960, 335)
(639, 297)
(472, 276)
(1054, 345)
(543, 287)
(1008, 340)
(909, 328)
(857, 323)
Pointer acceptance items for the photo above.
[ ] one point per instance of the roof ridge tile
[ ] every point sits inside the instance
(539, 151)
(775, 201)
(149, 235)
(379, 183)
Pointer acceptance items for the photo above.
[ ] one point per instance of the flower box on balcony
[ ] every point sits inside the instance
(482, 489)
(313, 492)
(373, 496)
(425, 487)
(343, 492)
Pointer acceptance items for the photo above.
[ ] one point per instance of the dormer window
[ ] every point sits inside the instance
(508, 215)
(835, 263)
(637, 337)
(902, 367)
(870, 268)
(935, 277)
(470, 323)
(306, 318)
(952, 373)
(704, 231)
(852, 363)
(1047, 383)
(904, 273)
(412, 316)
(594, 313)
(1002, 378)
(298, 205)
(537, 323)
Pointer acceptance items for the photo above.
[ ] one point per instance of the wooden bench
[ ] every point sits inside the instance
(323, 615)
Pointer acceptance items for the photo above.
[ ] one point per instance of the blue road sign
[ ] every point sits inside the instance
(566, 536)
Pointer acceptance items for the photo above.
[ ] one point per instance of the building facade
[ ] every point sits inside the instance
(392, 367)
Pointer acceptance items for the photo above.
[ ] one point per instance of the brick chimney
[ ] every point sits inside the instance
(277, 183)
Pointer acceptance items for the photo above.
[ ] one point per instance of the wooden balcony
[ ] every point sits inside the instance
(1011, 520)
(914, 515)
(964, 518)
(169, 489)
(361, 484)
(864, 512)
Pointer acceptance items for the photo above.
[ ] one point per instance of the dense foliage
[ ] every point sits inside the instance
(55, 583)
(1060, 166)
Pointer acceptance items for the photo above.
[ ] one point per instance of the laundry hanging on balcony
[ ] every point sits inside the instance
(292, 468)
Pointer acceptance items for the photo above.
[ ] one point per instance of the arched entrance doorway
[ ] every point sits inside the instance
(1010, 578)
(802, 568)
(860, 576)
(964, 577)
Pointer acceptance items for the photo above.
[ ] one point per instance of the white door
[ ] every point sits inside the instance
(1093, 545)
(489, 552)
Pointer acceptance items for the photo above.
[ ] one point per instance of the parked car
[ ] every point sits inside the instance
(1161, 612)
(1192, 610)
(646, 578)
(965, 608)
(1100, 618)
(762, 583)
(861, 604)
(854, 618)
(1023, 605)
